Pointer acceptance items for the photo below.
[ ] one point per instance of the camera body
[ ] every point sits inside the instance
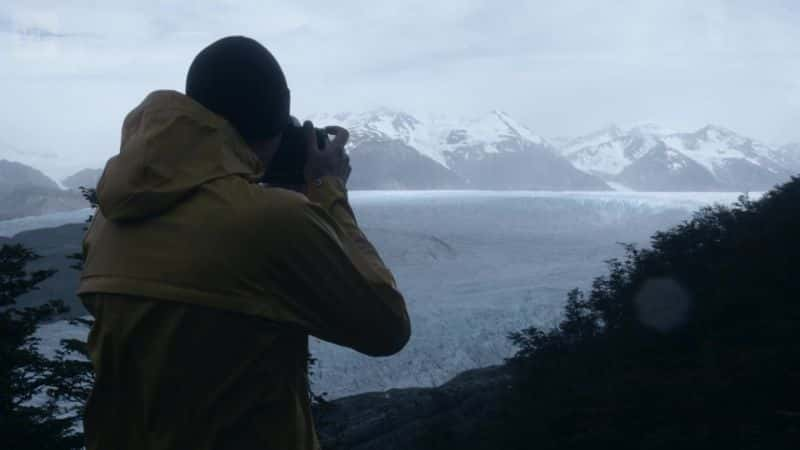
(289, 161)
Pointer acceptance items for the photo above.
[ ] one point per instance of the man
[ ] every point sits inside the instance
(205, 285)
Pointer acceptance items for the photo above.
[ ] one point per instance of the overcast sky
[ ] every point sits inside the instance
(71, 70)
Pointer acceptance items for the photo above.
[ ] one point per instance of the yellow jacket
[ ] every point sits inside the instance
(205, 286)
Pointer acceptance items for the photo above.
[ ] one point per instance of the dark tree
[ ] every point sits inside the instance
(25, 375)
(33, 389)
(692, 343)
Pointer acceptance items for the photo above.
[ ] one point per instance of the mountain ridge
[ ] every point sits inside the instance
(393, 149)
(491, 151)
(710, 158)
(26, 191)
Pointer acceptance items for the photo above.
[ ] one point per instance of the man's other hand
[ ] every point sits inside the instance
(331, 160)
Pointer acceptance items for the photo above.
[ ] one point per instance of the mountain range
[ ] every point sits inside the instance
(493, 151)
(25, 191)
(391, 149)
(647, 157)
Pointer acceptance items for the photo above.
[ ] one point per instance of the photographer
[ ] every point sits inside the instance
(205, 284)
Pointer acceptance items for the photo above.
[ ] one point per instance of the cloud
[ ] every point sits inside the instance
(69, 71)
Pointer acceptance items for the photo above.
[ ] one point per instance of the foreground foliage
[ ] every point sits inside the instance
(41, 399)
(29, 418)
(693, 343)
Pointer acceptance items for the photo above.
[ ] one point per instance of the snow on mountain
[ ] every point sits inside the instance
(392, 150)
(712, 157)
(713, 146)
(435, 136)
(490, 151)
(496, 152)
(569, 146)
(604, 157)
(492, 133)
(383, 125)
(789, 156)
(610, 150)
(662, 168)
(490, 130)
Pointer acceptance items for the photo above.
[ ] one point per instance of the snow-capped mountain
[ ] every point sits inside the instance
(648, 157)
(392, 150)
(496, 152)
(609, 151)
(489, 152)
(734, 161)
(788, 156)
(383, 125)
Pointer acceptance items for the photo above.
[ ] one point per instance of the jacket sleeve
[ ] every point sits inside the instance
(344, 292)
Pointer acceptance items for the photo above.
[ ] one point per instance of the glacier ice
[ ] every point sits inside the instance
(474, 266)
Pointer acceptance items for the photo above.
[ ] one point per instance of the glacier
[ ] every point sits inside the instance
(473, 266)
(8, 228)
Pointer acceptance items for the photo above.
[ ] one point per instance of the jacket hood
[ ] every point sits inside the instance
(171, 145)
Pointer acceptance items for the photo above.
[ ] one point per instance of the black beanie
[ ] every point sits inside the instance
(239, 79)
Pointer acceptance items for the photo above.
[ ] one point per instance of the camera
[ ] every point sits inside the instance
(289, 161)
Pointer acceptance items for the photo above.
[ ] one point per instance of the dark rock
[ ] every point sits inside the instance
(448, 416)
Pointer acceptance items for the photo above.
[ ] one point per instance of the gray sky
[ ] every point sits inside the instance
(70, 71)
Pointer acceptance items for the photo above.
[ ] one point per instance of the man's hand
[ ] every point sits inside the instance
(331, 160)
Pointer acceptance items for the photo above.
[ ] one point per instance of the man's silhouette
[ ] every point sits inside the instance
(205, 284)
